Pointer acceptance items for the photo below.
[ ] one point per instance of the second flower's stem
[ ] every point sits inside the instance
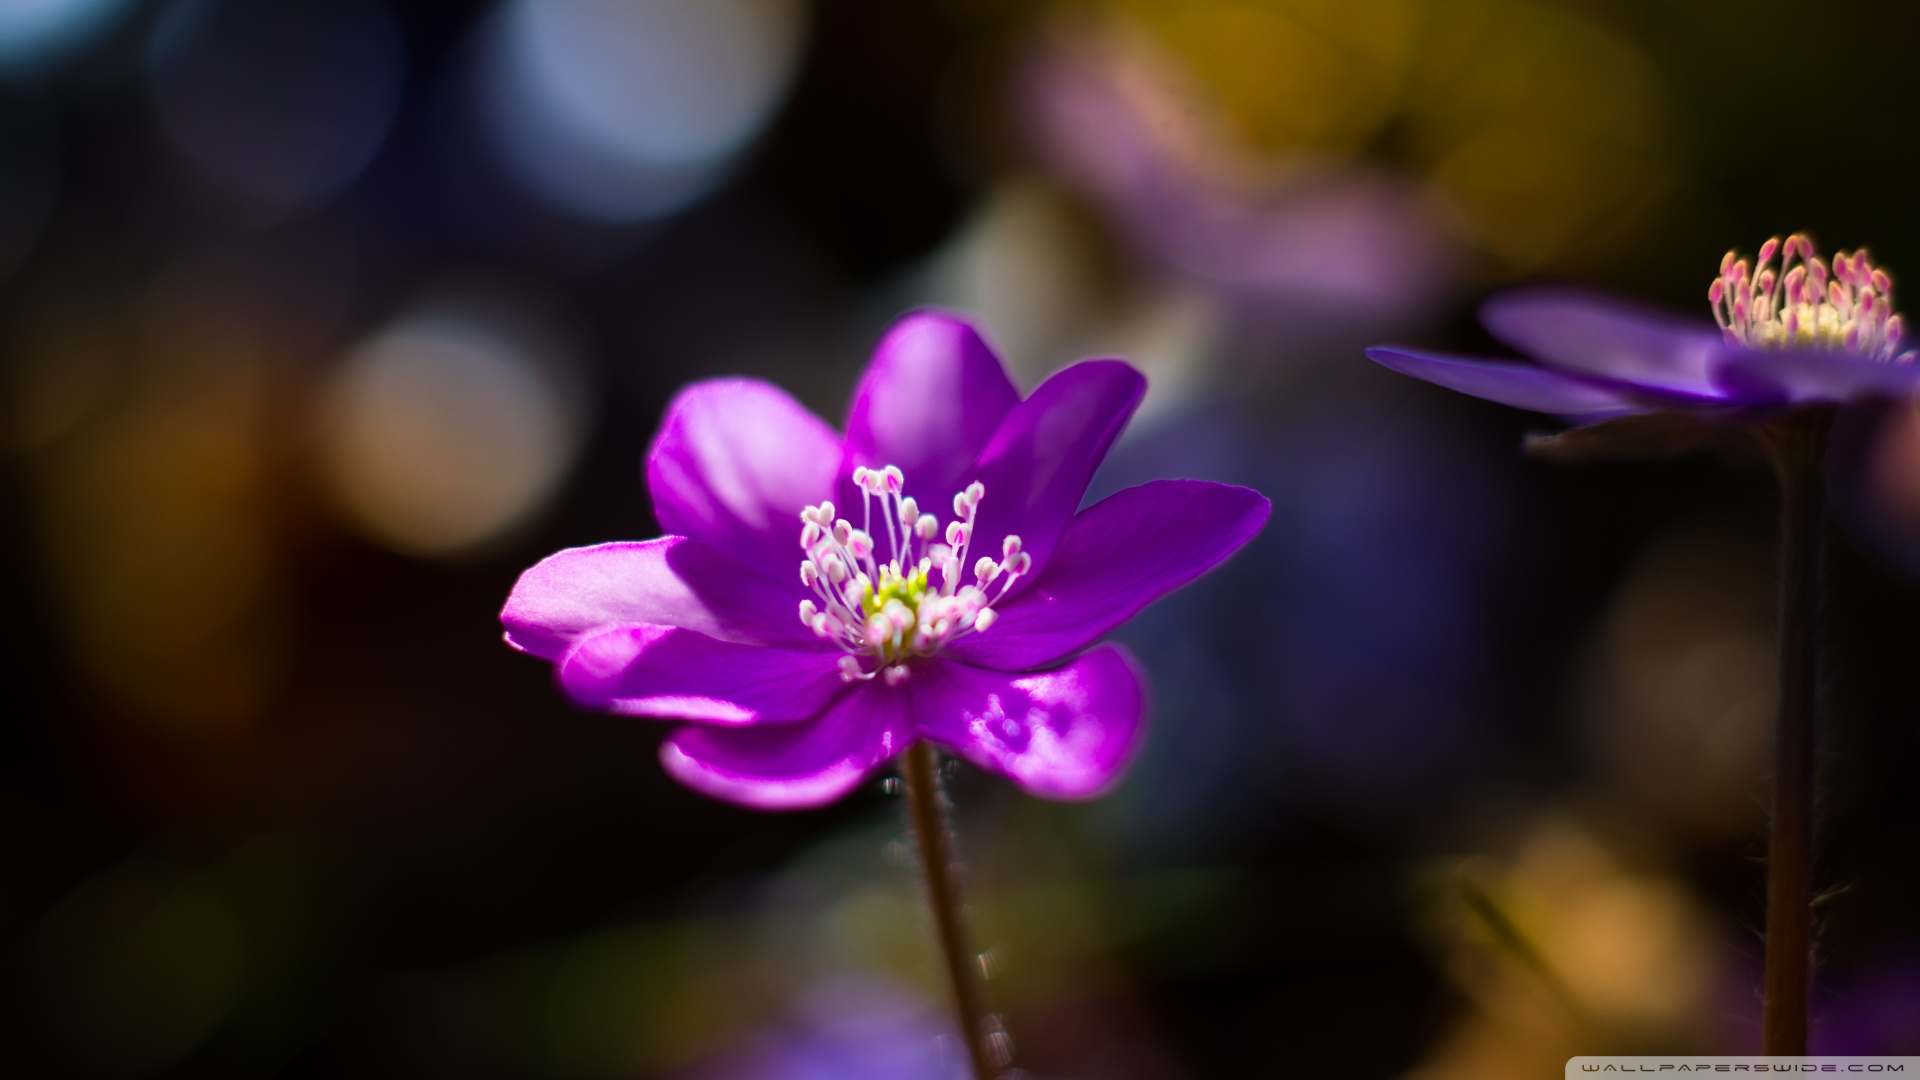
(988, 1048)
(1797, 447)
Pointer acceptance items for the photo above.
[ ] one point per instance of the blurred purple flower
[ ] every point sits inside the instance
(898, 637)
(850, 1028)
(1796, 334)
(1118, 119)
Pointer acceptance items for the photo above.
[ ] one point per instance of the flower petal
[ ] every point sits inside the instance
(1061, 734)
(1605, 337)
(933, 396)
(573, 592)
(1118, 556)
(1521, 385)
(793, 766)
(752, 608)
(647, 670)
(670, 581)
(1038, 464)
(1792, 376)
(733, 465)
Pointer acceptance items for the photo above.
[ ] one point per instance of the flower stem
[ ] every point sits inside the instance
(1797, 446)
(988, 1047)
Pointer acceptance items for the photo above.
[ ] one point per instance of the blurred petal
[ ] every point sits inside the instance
(933, 396)
(1641, 435)
(1061, 734)
(793, 766)
(1522, 385)
(733, 465)
(1606, 337)
(1118, 556)
(1038, 464)
(1807, 375)
(662, 671)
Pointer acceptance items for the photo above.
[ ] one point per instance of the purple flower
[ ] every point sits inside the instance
(1122, 122)
(825, 601)
(1799, 333)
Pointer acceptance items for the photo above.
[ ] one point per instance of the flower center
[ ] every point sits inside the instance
(882, 614)
(1804, 303)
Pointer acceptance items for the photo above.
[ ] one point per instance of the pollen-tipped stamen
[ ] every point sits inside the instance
(1806, 302)
(891, 611)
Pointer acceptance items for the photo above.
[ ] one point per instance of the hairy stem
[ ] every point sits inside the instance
(988, 1047)
(1797, 446)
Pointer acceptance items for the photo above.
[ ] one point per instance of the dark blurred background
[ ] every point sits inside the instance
(322, 319)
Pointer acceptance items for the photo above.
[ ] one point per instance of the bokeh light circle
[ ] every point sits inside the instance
(31, 30)
(447, 428)
(624, 110)
(282, 104)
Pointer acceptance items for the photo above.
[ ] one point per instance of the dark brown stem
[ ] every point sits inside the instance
(988, 1047)
(1796, 445)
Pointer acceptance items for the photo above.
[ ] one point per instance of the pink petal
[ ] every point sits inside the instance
(1037, 466)
(933, 396)
(670, 581)
(1117, 556)
(572, 592)
(662, 671)
(793, 766)
(733, 465)
(1061, 734)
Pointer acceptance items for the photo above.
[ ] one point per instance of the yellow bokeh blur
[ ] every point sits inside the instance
(1538, 130)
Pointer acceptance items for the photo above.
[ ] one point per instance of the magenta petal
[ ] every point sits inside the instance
(571, 592)
(1061, 734)
(1524, 386)
(1118, 556)
(1808, 375)
(1038, 464)
(662, 671)
(793, 766)
(1605, 337)
(933, 396)
(733, 465)
(754, 606)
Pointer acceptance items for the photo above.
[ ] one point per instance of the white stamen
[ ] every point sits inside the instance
(915, 601)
